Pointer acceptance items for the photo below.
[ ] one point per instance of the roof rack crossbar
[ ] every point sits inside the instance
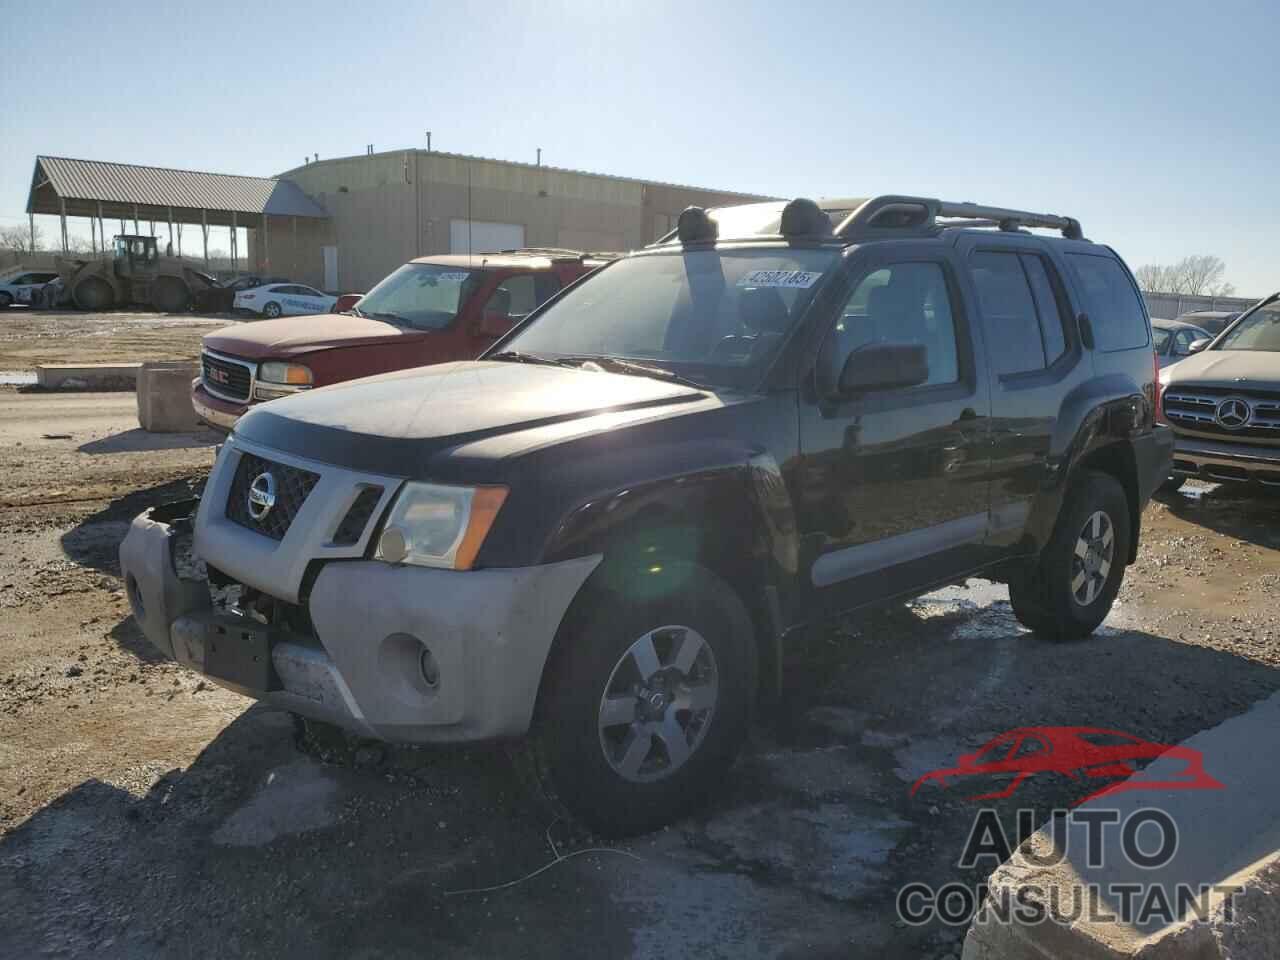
(879, 213)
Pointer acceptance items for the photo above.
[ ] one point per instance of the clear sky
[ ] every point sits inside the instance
(1156, 124)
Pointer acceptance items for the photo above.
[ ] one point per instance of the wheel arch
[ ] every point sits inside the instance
(735, 523)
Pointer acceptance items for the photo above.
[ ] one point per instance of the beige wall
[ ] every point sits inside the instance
(390, 207)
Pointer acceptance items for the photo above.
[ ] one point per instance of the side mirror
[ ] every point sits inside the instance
(1198, 345)
(494, 323)
(884, 366)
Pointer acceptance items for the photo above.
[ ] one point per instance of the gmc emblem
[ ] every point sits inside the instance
(218, 376)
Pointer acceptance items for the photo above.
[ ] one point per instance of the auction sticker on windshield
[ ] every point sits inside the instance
(794, 279)
(452, 276)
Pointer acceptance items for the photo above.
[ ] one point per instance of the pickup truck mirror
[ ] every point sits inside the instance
(494, 323)
(884, 366)
(1198, 345)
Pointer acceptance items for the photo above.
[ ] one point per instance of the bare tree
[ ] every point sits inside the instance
(18, 239)
(1200, 275)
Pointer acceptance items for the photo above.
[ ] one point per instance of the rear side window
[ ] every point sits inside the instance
(1115, 312)
(1021, 311)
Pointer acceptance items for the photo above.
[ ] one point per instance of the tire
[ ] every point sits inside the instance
(271, 310)
(6, 300)
(1073, 585)
(94, 293)
(613, 768)
(1172, 485)
(170, 295)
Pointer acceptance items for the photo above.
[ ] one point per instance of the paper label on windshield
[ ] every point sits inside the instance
(458, 276)
(792, 279)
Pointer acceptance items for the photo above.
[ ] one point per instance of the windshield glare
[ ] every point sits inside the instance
(1260, 330)
(714, 315)
(420, 296)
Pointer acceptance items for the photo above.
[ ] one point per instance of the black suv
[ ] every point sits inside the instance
(601, 535)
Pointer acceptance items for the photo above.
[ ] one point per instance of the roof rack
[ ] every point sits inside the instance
(887, 214)
(562, 253)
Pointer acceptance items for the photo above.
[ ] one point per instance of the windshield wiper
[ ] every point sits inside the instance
(515, 356)
(618, 365)
(388, 315)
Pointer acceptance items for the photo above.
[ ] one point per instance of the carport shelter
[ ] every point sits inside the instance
(104, 191)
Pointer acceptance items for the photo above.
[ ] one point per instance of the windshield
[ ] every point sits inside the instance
(420, 296)
(716, 316)
(1260, 330)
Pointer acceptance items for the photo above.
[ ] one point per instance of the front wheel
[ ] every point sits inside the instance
(1069, 592)
(646, 701)
(271, 310)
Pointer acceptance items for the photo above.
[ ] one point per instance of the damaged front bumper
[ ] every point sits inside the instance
(399, 653)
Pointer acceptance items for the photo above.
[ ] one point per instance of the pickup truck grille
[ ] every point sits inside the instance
(1201, 409)
(292, 487)
(230, 379)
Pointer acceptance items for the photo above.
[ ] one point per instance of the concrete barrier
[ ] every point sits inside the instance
(88, 376)
(164, 397)
(1223, 878)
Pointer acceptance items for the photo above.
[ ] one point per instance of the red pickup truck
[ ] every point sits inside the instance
(431, 310)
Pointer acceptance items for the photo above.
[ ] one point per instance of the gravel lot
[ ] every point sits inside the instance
(31, 337)
(146, 813)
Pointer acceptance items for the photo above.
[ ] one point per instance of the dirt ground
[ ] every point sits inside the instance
(31, 337)
(146, 813)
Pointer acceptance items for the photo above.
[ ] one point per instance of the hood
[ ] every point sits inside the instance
(1231, 369)
(393, 423)
(291, 336)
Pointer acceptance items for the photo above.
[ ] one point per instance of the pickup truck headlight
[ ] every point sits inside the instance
(432, 525)
(293, 374)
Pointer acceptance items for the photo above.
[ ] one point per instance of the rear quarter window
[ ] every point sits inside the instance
(1115, 311)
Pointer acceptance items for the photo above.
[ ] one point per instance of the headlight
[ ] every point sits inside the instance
(294, 374)
(431, 525)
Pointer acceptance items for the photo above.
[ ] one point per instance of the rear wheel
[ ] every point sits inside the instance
(170, 295)
(271, 310)
(1070, 590)
(645, 703)
(93, 293)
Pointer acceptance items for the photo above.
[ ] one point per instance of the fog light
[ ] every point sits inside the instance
(392, 546)
(430, 669)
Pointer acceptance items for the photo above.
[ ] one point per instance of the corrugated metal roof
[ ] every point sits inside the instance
(160, 186)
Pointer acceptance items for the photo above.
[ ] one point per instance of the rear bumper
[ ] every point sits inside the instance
(1153, 454)
(488, 633)
(216, 412)
(1222, 461)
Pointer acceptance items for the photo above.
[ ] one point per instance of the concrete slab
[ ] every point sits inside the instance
(164, 397)
(88, 376)
(1111, 906)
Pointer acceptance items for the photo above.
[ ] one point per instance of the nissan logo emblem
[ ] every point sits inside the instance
(262, 495)
(1233, 413)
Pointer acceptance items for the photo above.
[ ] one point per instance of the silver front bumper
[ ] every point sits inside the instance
(488, 632)
(1219, 460)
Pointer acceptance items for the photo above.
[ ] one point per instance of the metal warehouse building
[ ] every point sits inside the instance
(344, 224)
(386, 208)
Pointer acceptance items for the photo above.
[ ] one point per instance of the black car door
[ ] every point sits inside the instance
(891, 485)
(1035, 359)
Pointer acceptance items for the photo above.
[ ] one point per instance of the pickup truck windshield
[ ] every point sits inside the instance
(716, 316)
(1258, 331)
(419, 296)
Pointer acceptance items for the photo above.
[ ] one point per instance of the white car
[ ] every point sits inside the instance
(21, 287)
(283, 299)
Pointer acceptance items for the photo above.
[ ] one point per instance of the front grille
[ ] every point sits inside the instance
(226, 378)
(357, 517)
(292, 486)
(1194, 407)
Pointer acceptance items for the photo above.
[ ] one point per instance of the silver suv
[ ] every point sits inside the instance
(1223, 403)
